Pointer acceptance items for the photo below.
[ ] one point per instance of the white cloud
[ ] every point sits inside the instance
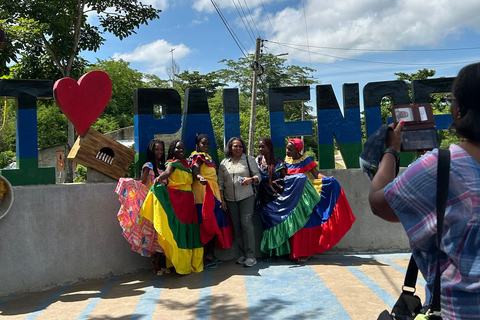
(157, 4)
(155, 56)
(207, 6)
(92, 16)
(368, 24)
(359, 24)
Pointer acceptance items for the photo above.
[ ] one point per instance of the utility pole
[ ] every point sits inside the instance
(253, 110)
(173, 69)
(303, 112)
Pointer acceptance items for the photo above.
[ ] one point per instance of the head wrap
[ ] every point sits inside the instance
(297, 143)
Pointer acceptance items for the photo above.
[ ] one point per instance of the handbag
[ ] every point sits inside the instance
(254, 187)
(408, 305)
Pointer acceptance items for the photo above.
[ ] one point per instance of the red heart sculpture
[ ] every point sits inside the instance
(83, 102)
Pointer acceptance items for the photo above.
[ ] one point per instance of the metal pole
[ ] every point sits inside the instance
(173, 69)
(253, 110)
(303, 116)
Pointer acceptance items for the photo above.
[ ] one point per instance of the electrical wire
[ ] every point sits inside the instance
(271, 26)
(251, 16)
(306, 32)
(230, 30)
(252, 37)
(376, 50)
(382, 62)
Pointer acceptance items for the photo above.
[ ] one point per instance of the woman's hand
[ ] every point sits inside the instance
(247, 181)
(224, 205)
(157, 180)
(202, 180)
(394, 137)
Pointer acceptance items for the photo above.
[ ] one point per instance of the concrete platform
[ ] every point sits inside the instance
(326, 287)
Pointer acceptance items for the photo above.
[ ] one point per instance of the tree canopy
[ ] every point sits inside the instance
(49, 35)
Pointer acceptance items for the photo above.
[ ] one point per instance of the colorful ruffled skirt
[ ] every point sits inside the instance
(214, 222)
(174, 216)
(137, 230)
(308, 218)
(287, 214)
(330, 220)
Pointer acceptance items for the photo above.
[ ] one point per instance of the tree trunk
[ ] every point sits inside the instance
(68, 162)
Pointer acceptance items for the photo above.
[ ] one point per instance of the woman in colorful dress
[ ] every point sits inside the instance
(172, 211)
(139, 231)
(284, 210)
(331, 217)
(215, 230)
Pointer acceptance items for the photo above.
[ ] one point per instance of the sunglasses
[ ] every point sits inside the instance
(449, 99)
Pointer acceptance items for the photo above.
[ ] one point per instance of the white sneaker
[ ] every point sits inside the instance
(241, 260)
(250, 262)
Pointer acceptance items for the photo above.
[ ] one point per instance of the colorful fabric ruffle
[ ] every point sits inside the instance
(287, 214)
(205, 157)
(213, 220)
(174, 216)
(330, 220)
(302, 165)
(137, 230)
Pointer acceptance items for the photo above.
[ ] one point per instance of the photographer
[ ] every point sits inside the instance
(411, 200)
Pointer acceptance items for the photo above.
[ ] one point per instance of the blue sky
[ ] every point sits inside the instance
(346, 41)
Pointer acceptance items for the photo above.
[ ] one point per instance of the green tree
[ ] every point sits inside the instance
(273, 73)
(210, 81)
(7, 128)
(54, 32)
(119, 111)
(46, 37)
(51, 124)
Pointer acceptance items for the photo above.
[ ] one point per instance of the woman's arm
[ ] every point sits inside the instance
(255, 173)
(386, 173)
(221, 170)
(317, 173)
(164, 175)
(144, 177)
(224, 204)
(196, 171)
(282, 173)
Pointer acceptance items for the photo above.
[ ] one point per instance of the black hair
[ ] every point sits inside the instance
(228, 148)
(466, 91)
(151, 155)
(171, 148)
(199, 137)
(271, 158)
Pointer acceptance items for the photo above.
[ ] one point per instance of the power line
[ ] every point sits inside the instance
(230, 30)
(306, 32)
(251, 16)
(376, 50)
(383, 62)
(252, 37)
(271, 26)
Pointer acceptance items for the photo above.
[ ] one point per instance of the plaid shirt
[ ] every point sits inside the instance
(413, 198)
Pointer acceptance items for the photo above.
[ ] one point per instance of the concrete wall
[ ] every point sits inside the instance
(58, 234)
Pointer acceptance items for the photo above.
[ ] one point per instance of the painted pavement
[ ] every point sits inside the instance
(326, 287)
